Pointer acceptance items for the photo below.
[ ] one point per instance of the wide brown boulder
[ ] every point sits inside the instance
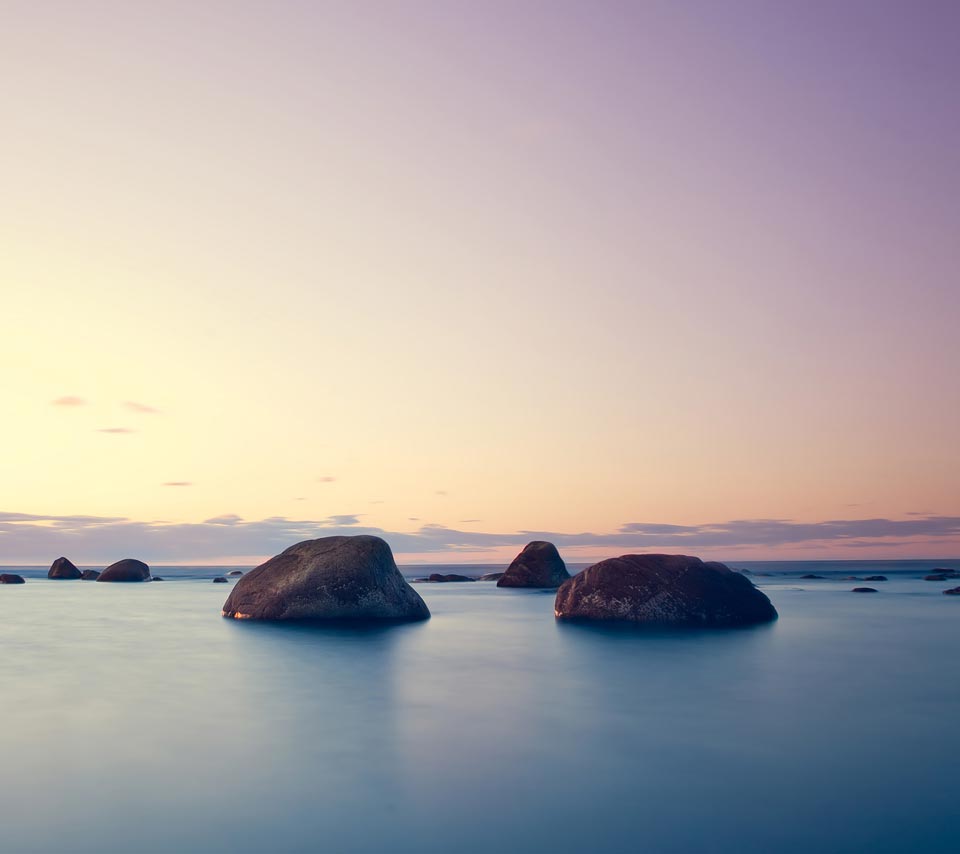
(333, 578)
(128, 569)
(63, 568)
(663, 590)
(538, 565)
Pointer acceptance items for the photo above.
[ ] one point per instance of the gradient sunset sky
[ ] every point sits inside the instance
(639, 276)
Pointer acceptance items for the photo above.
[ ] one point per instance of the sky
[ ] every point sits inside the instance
(645, 276)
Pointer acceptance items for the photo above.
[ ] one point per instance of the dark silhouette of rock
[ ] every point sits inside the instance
(953, 591)
(440, 579)
(63, 568)
(491, 576)
(235, 572)
(155, 578)
(811, 575)
(875, 578)
(220, 580)
(864, 590)
(663, 590)
(333, 578)
(90, 575)
(538, 565)
(127, 569)
(10, 578)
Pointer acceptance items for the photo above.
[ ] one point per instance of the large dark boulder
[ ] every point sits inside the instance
(439, 578)
(128, 569)
(663, 590)
(63, 568)
(90, 575)
(334, 578)
(10, 578)
(538, 565)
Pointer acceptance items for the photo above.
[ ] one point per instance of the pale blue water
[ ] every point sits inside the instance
(134, 718)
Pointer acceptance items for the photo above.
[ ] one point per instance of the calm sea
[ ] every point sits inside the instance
(135, 719)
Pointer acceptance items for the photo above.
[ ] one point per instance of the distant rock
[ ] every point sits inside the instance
(63, 568)
(127, 569)
(864, 590)
(333, 578)
(875, 578)
(953, 591)
(10, 578)
(235, 572)
(220, 580)
(90, 575)
(491, 576)
(663, 590)
(810, 575)
(438, 578)
(155, 578)
(538, 565)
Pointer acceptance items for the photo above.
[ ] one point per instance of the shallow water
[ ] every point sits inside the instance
(136, 719)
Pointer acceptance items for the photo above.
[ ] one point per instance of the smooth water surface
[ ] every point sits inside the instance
(135, 718)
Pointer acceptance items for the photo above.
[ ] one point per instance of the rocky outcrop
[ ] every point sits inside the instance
(864, 590)
(439, 578)
(538, 565)
(128, 569)
(10, 578)
(90, 575)
(334, 578)
(663, 590)
(63, 568)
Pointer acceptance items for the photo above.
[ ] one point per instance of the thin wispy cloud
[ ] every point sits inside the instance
(116, 430)
(69, 400)
(179, 483)
(142, 408)
(326, 479)
(31, 537)
(441, 492)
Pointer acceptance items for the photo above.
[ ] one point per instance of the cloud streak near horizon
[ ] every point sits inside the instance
(30, 537)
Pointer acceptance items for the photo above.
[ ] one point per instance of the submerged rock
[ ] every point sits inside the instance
(90, 575)
(810, 575)
(63, 568)
(439, 578)
(875, 578)
(864, 590)
(491, 576)
(127, 569)
(10, 578)
(663, 590)
(220, 580)
(953, 591)
(538, 565)
(333, 578)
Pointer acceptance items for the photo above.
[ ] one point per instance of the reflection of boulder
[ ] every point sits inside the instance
(63, 568)
(669, 590)
(10, 578)
(538, 565)
(127, 569)
(327, 579)
(438, 578)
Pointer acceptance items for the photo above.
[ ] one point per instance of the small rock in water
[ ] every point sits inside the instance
(155, 578)
(663, 590)
(63, 568)
(127, 569)
(538, 565)
(810, 575)
(10, 578)
(235, 572)
(875, 578)
(953, 591)
(864, 590)
(219, 580)
(90, 575)
(439, 578)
